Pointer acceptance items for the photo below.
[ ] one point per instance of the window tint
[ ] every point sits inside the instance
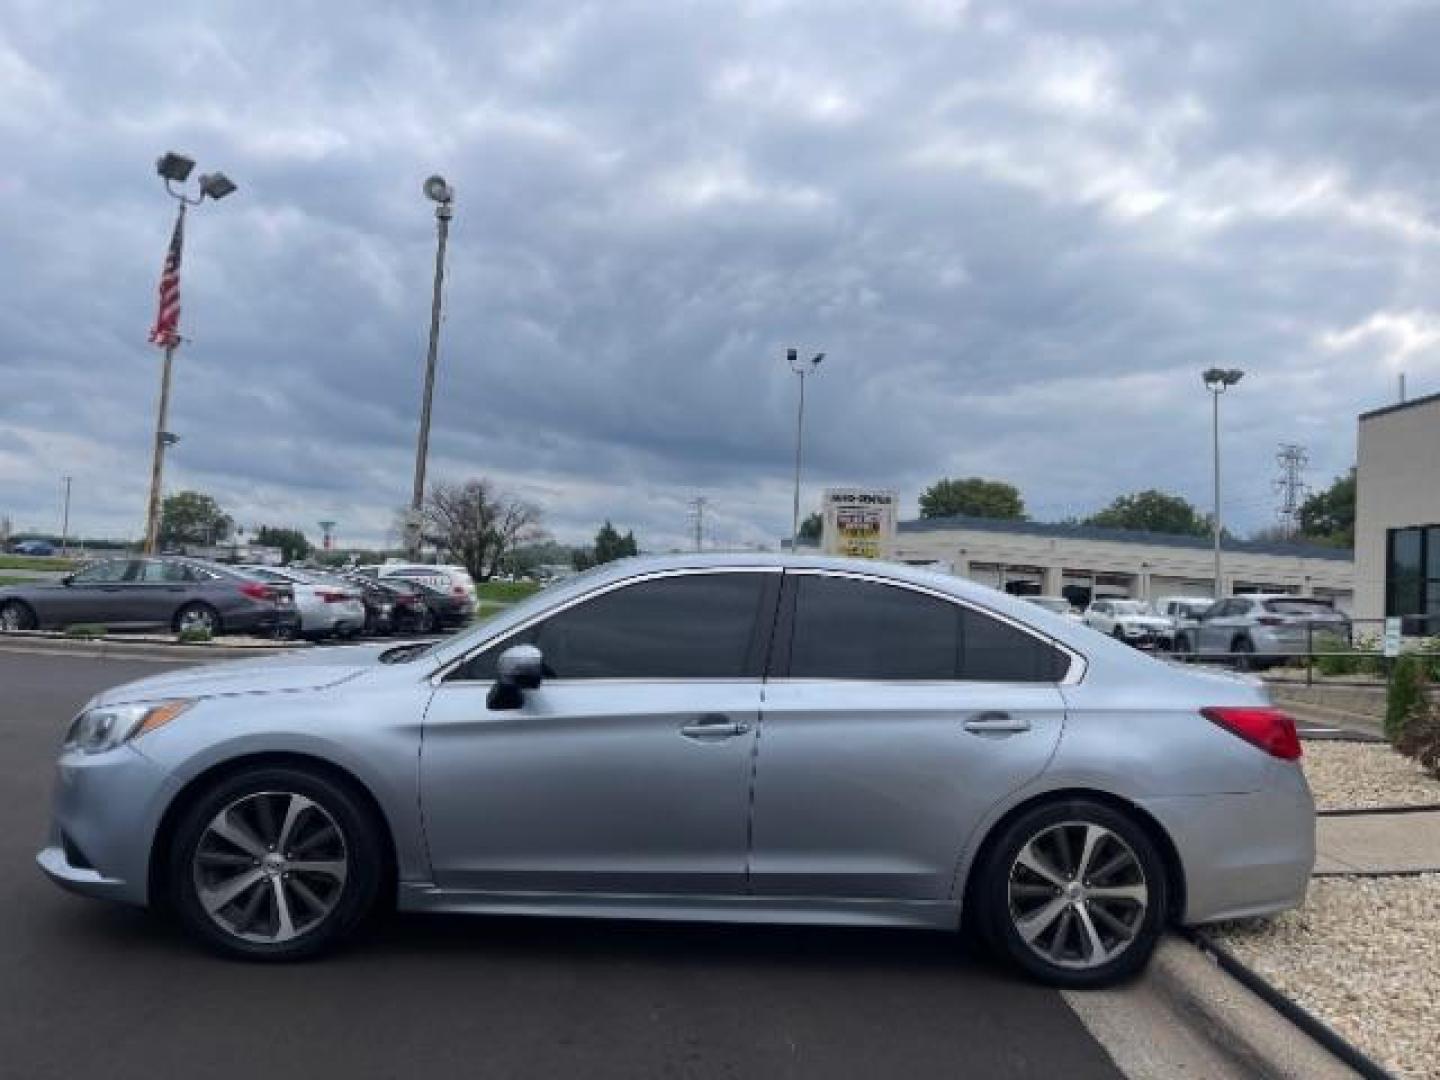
(1299, 607)
(154, 571)
(692, 626)
(847, 629)
(111, 570)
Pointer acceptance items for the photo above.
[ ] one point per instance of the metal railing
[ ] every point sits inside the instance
(1331, 653)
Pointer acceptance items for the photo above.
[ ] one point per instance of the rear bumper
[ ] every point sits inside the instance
(1243, 855)
(261, 619)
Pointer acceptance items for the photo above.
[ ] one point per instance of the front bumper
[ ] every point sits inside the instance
(105, 812)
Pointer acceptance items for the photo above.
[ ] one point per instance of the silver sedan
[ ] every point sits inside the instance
(742, 738)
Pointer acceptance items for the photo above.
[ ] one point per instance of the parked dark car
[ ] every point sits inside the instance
(392, 607)
(146, 593)
(446, 608)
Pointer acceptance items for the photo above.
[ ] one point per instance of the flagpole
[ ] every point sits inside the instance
(157, 461)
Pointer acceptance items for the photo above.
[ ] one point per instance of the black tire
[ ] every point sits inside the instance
(1244, 650)
(1182, 645)
(1125, 951)
(17, 615)
(197, 614)
(359, 848)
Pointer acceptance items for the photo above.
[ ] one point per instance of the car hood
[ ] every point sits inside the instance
(311, 669)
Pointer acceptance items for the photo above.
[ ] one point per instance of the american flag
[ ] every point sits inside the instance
(166, 331)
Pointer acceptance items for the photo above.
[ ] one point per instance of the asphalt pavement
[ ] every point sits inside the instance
(90, 989)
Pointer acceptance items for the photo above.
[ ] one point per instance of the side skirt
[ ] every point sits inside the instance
(818, 911)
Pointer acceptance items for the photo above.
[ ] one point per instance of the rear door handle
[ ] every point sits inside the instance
(997, 723)
(714, 726)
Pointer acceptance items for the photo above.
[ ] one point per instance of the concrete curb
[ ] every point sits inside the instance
(1324, 1036)
(1186, 1017)
(39, 642)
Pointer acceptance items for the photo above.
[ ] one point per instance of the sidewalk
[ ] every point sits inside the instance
(1378, 843)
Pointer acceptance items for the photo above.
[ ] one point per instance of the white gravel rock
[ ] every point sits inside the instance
(1363, 955)
(1345, 774)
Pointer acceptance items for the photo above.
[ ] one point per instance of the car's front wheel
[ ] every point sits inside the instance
(275, 863)
(16, 616)
(1074, 893)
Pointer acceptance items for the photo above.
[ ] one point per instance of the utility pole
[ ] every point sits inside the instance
(1217, 381)
(1290, 484)
(65, 521)
(443, 195)
(800, 369)
(697, 513)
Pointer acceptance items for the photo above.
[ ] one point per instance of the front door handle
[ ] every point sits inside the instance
(997, 723)
(714, 726)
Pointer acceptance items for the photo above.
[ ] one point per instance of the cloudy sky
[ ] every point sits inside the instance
(1018, 229)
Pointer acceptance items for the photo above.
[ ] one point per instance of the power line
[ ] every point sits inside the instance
(1290, 484)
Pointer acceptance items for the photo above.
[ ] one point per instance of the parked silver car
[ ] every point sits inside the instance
(751, 738)
(327, 607)
(1262, 628)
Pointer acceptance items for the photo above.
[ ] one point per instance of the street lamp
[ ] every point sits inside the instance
(801, 369)
(1217, 381)
(174, 169)
(443, 196)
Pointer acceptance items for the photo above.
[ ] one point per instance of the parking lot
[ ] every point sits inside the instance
(96, 990)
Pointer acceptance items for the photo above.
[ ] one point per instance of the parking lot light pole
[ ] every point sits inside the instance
(173, 169)
(443, 195)
(1217, 381)
(801, 369)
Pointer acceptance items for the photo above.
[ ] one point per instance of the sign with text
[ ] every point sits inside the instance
(1392, 635)
(859, 523)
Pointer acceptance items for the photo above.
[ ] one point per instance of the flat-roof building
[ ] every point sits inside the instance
(1082, 562)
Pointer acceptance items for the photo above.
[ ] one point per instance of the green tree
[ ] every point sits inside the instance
(192, 517)
(291, 542)
(1152, 511)
(811, 528)
(974, 497)
(609, 545)
(1328, 517)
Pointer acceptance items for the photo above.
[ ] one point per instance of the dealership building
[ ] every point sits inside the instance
(1397, 515)
(1081, 562)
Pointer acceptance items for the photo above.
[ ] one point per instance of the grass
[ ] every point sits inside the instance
(506, 592)
(35, 562)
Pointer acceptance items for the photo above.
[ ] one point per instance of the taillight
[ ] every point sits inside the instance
(456, 590)
(255, 590)
(333, 597)
(1270, 729)
(1270, 620)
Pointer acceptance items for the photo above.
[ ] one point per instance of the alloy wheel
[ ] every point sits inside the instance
(197, 618)
(270, 867)
(12, 617)
(1077, 894)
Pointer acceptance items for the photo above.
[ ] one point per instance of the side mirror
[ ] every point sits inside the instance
(519, 668)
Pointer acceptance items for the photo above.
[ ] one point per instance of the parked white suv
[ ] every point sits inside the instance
(1130, 621)
(455, 580)
(1183, 612)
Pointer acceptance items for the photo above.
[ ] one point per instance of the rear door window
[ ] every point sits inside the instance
(1299, 607)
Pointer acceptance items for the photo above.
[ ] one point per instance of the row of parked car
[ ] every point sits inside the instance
(196, 595)
(1253, 630)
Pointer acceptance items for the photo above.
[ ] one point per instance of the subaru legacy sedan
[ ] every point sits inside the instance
(728, 738)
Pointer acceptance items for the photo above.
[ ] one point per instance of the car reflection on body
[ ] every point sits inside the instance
(750, 738)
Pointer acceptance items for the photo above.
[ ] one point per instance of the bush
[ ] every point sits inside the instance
(1405, 697)
(194, 635)
(1420, 739)
(85, 630)
(1361, 658)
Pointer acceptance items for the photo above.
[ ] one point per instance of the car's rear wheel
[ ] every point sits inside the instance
(197, 617)
(1182, 645)
(275, 864)
(1074, 893)
(15, 615)
(1244, 650)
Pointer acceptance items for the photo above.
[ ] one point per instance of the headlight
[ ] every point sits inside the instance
(97, 730)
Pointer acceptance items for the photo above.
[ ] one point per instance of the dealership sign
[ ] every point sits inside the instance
(859, 523)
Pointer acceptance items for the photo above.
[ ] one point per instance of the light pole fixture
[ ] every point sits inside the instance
(801, 368)
(443, 196)
(1217, 381)
(174, 169)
